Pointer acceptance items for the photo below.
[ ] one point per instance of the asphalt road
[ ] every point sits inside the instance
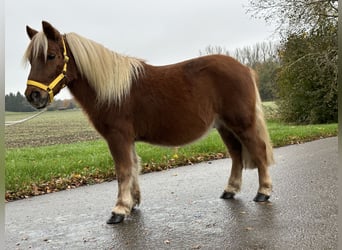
(181, 209)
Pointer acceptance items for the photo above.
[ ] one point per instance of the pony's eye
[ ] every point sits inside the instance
(51, 56)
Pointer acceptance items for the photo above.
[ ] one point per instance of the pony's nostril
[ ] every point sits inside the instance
(35, 95)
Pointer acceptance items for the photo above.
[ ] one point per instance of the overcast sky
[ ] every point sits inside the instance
(161, 32)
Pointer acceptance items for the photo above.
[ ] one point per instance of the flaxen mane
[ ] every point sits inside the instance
(109, 73)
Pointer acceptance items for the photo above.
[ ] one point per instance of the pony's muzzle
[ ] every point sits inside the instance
(37, 99)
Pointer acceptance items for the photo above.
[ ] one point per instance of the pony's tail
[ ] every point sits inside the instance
(260, 122)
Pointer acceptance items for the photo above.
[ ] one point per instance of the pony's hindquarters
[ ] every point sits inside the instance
(248, 143)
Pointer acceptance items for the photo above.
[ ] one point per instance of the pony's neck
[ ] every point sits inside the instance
(83, 94)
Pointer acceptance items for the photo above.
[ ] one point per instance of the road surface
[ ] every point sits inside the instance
(181, 209)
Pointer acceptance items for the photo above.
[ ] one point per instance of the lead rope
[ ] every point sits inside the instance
(11, 123)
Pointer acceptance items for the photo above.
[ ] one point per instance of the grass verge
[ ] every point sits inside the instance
(40, 170)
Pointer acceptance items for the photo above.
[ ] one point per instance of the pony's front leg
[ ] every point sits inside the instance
(124, 166)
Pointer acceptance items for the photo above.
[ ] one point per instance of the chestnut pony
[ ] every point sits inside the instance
(128, 100)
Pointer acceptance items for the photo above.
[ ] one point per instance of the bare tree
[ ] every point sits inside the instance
(292, 16)
(248, 55)
(210, 50)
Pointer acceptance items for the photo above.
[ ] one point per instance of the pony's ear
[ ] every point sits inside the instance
(30, 32)
(50, 31)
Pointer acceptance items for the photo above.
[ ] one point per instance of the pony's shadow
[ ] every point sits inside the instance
(256, 218)
(253, 213)
(238, 216)
(234, 205)
(133, 227)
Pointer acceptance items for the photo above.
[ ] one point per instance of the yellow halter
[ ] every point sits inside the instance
(49, 88)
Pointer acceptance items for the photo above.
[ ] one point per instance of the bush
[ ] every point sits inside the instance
(307, 82)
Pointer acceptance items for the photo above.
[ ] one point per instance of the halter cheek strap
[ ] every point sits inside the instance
(49, 88)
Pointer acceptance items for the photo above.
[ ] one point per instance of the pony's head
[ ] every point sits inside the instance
(47, 55)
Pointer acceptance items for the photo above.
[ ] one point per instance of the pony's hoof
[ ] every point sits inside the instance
(261, 197)
(227, 195)
(116, 218)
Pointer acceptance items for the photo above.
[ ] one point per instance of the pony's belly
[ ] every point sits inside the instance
(177, 136)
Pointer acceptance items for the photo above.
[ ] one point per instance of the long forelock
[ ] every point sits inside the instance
(38, 45)
(109, 74)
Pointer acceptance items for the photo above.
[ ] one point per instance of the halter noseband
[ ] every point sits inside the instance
(49, 88)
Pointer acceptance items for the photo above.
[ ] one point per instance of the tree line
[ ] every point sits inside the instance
(18, 103)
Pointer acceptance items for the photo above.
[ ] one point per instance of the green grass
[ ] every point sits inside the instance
(33, 167)
(32, 171)
(285, 134)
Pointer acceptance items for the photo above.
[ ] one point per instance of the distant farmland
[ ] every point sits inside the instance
(49, 128)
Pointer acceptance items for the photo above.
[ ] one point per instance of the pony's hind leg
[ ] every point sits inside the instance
(257, 156)
(235, 151)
